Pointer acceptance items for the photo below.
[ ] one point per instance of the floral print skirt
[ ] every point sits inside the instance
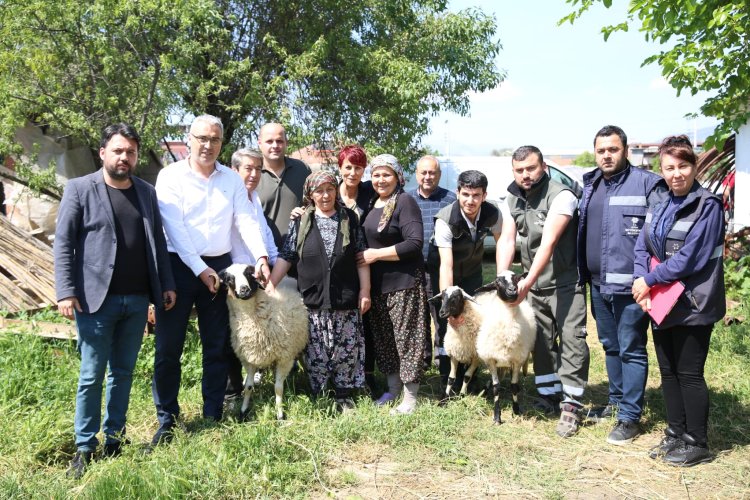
(336, 350)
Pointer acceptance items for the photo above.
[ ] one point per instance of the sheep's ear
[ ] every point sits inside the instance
(487, 287)
(466, 295)
(226, 279)
(518, 277)
(249, 273)
(437, 299)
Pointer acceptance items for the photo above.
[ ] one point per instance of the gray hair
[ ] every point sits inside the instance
(244, 153)
(209, 119)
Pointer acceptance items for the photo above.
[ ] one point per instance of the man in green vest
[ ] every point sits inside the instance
(543, 215)
(460, 229)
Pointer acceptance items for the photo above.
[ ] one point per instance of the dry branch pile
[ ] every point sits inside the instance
(27, 279)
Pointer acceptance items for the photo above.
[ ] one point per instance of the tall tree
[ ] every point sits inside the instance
(709, 50)
(371, 71)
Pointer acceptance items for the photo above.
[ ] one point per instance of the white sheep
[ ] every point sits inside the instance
(265, 329)
(460, 342)
(507, 335)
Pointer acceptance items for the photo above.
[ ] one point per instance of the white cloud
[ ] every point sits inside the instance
(659, 83)
(504, 92)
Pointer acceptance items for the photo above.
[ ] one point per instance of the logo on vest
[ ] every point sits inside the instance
(541, 218)
(636, 223)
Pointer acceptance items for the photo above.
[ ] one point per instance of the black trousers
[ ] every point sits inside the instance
(681, 352)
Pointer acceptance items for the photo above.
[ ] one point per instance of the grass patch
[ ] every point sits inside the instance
(451, 451)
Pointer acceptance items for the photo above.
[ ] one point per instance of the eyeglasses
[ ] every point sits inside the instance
(204, 139)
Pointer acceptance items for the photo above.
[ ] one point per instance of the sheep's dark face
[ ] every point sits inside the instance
(240, 280)
(452, 301)
(505, 285)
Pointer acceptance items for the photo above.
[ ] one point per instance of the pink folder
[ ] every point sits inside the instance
(663, 296)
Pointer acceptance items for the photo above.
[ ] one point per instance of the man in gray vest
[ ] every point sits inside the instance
(460, 229)
(542, 213)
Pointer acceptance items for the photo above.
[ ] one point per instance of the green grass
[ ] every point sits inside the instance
(451, 451)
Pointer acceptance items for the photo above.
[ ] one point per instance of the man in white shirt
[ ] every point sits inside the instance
(543, 214)
(248, 163)
(201, 202)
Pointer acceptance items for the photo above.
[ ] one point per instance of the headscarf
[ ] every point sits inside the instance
(313, 182)
(386, 160)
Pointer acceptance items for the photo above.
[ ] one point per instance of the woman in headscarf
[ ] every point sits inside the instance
(682, 240)
(393, 228)
(324, 243)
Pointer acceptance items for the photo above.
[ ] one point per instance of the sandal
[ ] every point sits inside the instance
(569, 421)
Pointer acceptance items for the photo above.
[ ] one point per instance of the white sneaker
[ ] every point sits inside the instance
(257, 377)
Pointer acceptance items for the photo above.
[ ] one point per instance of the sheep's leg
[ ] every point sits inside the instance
(515, 388)
(468, 375)
(495, 372)
(451, 378)
(249, 382)
(282, 370)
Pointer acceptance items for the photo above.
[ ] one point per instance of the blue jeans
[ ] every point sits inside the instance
(622, 327)
(112, 335)
(171, 328)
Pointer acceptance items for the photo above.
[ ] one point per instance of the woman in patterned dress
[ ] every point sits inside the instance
(393, 228)
(324, 242)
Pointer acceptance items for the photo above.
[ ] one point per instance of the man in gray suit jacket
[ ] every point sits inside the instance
(110, 260)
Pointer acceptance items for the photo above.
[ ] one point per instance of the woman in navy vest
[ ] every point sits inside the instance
(682, 240)
(324, 242)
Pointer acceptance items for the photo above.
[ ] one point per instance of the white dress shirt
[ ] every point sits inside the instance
(199, 213)
(240, 253)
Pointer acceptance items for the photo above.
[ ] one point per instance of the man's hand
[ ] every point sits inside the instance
(67, 305)
(169, 298)
(523, 290)
(210, 279)
(262, 270)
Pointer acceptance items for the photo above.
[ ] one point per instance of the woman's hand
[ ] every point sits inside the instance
(296, 213)
(364, 302)
(641, 290)
(369, 256)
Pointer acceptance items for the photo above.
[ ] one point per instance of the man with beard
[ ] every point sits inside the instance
(542, 214)
(110, 260)
(616, 197)
(201, 202)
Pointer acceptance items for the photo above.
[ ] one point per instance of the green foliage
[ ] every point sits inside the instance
(370, 71)
(585, 159)
(737, 278)
(708, 51)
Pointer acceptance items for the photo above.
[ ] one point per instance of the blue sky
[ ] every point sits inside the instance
(564, 83)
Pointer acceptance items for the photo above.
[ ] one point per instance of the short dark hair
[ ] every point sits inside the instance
(472, 179)
(680, 147)
(608, 130)
(122, 129)
(523, 152)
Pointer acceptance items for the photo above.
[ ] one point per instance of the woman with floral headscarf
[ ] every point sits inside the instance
(324, 242)
(393, 228)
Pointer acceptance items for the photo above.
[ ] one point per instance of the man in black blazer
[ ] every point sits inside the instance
(111, 260)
